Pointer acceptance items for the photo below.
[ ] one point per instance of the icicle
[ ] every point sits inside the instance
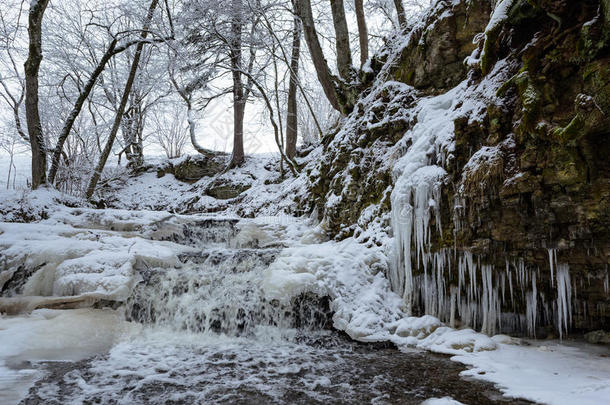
(453, 305)
(413, 199)
(532, 308)
(552, 262)
(489, 300)
(564, 295)
(510, 284)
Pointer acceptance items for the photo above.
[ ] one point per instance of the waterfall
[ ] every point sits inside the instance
(219, 290)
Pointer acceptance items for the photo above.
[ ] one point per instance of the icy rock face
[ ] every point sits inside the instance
(354, 172)
(478, 181)
(538, 298)
(433, 57)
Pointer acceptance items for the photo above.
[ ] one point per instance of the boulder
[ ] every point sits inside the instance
(598, 337)
(194, 168)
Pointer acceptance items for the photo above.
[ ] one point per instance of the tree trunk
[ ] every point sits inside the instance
(187, 97)
(32, 65)
(238, 156)
(15, 104)
(239, 103)
(291, 111)
(192, 128)
(119, 114)
(291, 163)
(363, 35)
(400, 11)
(317, 55)
(344, 54)
(132, 128)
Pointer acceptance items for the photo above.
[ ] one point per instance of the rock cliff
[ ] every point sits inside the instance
(524, 192)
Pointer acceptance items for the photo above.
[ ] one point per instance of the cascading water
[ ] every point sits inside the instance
(210, 335)
(220, 291)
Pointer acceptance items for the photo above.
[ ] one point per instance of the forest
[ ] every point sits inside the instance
(111, 71)
(304, 201)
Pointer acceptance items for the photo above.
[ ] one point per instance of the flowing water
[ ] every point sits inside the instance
(209, 335)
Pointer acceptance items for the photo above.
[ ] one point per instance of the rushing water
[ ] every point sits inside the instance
(210, 336)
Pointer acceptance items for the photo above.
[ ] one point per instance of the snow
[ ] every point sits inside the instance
(31, 205)
(364, 305)
(499, 14)
(92, 253)
(45, 335)
(80, 255)
(545, 372)
(441, 401)
(149, 192)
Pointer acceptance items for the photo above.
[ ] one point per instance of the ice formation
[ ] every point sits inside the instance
(481, 296)
(564, 298)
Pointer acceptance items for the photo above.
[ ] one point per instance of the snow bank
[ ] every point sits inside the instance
(265, 192)
(364, 305)
(33, 205)
(441, 401)
(76, 261)
(545, 372)
(83, 256)
(47, 334)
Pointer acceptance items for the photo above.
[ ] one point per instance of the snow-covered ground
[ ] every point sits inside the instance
(550, 372)
(53, 335)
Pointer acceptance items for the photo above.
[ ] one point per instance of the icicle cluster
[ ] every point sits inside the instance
(457, 286)
(426, 279)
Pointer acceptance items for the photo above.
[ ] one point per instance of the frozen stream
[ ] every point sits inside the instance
(135, 307)
(208, 332)
(169, 367)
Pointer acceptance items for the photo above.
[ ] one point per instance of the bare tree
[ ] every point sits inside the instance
(325, 77)
(363, 35)
(186, 92)
(400, 12)
(292, 124)
(32, 66)
(172, 131)
(12, 83)
(229, 29)
(125, 98)
(113, 49)
(10, 144)
(190, 73)
(275, 30)
(239, 96)
(344, 54)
